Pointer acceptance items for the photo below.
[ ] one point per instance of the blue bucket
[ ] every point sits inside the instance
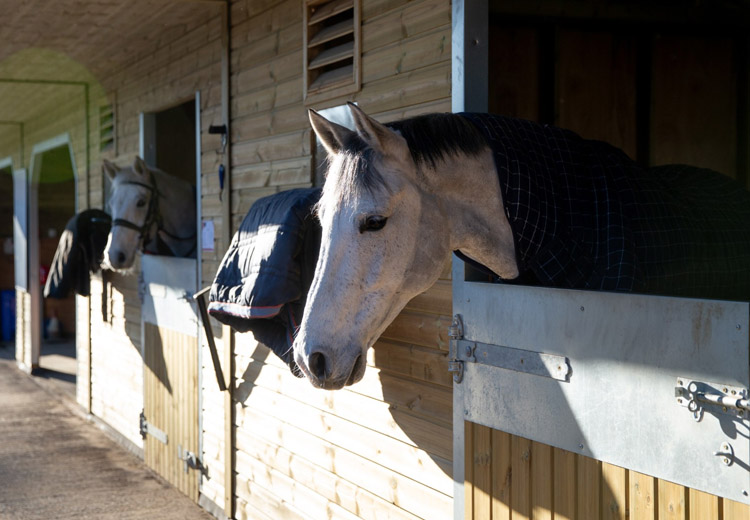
(8, 315)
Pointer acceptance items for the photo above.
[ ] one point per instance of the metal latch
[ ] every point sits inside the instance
(189, 459)
(147, 428)
(717, 398)
(455, 333)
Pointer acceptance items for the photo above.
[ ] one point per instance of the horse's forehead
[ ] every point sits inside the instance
(336, 202)
(126, 174)
(355, 183)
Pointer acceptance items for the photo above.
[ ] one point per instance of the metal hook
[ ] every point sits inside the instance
(697, 410)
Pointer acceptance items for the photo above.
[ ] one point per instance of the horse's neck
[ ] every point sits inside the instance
(468, 190)
(177, 212)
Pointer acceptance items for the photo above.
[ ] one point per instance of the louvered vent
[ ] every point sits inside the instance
(332, 48)
(106, 127)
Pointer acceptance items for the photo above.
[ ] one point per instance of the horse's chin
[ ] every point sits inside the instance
(123, 270)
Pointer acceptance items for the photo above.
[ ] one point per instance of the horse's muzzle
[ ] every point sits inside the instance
(324, 370)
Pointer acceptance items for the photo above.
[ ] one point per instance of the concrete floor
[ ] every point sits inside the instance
(54, 464)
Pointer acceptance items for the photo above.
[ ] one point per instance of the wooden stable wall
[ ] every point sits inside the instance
(512, 478)
(169, 75)
(381, 448)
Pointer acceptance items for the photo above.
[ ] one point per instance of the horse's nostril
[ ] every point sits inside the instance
(357, 368)
(120, 257)
(317, 365)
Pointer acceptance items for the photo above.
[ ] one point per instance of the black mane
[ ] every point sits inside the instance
(433, 137)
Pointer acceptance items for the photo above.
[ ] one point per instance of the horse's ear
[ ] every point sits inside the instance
(375, 134)
(109, 168)
(332, 135)
(139, 166)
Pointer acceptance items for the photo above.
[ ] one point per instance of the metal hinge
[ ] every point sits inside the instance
(455, 333)
(698, 397)
(149, 429)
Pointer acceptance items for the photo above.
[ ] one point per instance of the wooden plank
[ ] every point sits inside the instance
(171, 403)
(407, 493)
(392, 406)
(565, 484)
(502, 472)
(542, 481)
(327, 483)
(289, 490)
(230, 484)
(286, 146)
(268, 74)
(588, 484)
(332, 55)
(435, 300)
(411, 88)
(412, 19)
(514, 55)
(331, 9)
(482, 476)
(520, 489)
(672, 501)
(427, 330)
(469, 469)
(596, 86)
(614, 492)
(408, 54)
(694, 102)
(421, 363)
(409, 461)
(702, 506)
(735, 510)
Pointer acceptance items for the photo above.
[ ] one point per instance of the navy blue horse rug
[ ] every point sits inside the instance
(584, 215)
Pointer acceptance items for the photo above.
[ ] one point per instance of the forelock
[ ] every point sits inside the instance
(352, 172)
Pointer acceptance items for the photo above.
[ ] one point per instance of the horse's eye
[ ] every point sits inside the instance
(373, 223)
(141, 203)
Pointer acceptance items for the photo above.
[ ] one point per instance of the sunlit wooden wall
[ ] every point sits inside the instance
(512, 478)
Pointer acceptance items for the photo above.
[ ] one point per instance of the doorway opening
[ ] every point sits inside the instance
(52, 202)
(7, 264)
(169, 140)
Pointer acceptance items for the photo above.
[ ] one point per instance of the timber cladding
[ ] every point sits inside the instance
(509, 477)
(383, 447)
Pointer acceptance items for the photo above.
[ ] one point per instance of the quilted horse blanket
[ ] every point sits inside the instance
(584, 215)
(262, 283)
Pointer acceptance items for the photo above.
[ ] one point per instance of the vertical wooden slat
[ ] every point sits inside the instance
(520, 450)
(482, 483)
(596, 86)
(514, 55)
(672, 501)
(542, 471)
(171, 404)
(686, 69)
(179, 406)
(614, 492)
(195, 412)
(642, 496)
(702, 506)
(588, 482)
(468, 470)
(502, 475)
(565, 485)
(735, 510)
(229, 419)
